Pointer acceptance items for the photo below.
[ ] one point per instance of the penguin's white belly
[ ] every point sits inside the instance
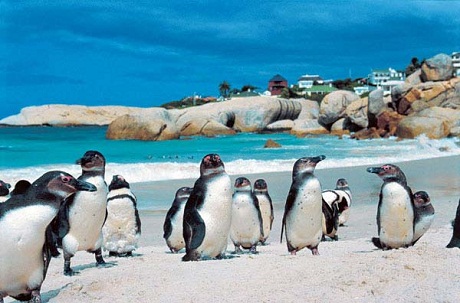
(216, 213)
(176, 239)
(119, 231)
(265, 211)
(422, 226)
(396, 216)
(245, 227)
(304, 221)
(22, 234)
(86, 217)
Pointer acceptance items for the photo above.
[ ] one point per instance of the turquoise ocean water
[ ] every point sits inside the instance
(28, 152)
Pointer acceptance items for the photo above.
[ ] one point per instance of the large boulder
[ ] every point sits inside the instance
(435, 122)
(376, 104)
(438, 68)
(357, 112)
(281, 125)
(67, 115)
(303, 127)
(151, 125)
(241, 114)
(205, 127)
(333, 106)
(429, 94)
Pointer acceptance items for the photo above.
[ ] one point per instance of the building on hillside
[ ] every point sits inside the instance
(276, 85)
(359, 90)
(319, 90)
(386, 79)
(456, 63)
(307, 81)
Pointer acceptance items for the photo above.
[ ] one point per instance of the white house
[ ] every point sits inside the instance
(456, 63)
(307, 81)
(386, 79)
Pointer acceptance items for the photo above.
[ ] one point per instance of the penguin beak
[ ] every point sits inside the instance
(318, 159)
(374, 170)
(85, 186)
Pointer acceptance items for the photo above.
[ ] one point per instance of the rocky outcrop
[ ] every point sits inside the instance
(58, 114)
(438, 68)
(152, 125)
(333, 107)
(434, 122)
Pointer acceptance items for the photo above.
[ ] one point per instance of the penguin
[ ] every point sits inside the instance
(424, 214)
(25, 247)
(20, 187)
(302, 217)
(122, 228)
(330, 221)
(395, 212)
(172, 227)
(81, 217)
(247, 227)
(455, 240)
(266, 207)
(208, 212)
(343, 191)
(4, 191)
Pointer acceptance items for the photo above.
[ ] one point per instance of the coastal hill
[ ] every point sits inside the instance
(427, 103)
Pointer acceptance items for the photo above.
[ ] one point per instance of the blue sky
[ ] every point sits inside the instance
(146, 53)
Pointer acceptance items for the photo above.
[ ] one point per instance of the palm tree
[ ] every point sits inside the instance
(224, 88)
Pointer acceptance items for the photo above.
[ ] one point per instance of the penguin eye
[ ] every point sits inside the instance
(66, 179)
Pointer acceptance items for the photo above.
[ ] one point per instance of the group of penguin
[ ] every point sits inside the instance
(203, 217)
(84, 214)
(60, 211)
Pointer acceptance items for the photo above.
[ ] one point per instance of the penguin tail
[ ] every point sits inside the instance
(376, 242)
(454, 242)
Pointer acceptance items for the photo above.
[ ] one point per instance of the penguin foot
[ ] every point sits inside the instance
(376, 242)
(69, 272)
(237, 251)
(293, 252)
(314, 251)
(191, 256)
(454, 242)
(253, 250)
(335, 238)
(36, 298)
(113, 254)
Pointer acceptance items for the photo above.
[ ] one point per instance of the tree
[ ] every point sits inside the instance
(224, 88)
(413, 66)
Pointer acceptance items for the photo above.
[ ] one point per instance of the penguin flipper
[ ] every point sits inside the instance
(455, 241)
(194, 230)
(331, 216)
(138, 221)
(376, 242)
(167, 226)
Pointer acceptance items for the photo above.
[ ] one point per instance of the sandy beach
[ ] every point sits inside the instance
(349, 270)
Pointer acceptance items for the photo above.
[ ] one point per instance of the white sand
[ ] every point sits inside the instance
(349, 270)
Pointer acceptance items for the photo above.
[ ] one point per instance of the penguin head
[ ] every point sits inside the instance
(4, 188)
(341, 183)
(421, 198)
(387, 172)
(183, 192)
(92, 161)
(118, 182)
(242, 184)
(20, 187)
(60, 185)
(260, 185)
(211, 164)
(306, 165)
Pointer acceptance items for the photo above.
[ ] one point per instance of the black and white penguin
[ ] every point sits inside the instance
(266, 207)
(173, 225)
(424, 214)
(4, 191)
(303, 210)
(455, 240)
(342, 189)
(330, 222)
(25, 247)
(247, 226)
(208, 212)
(80, 220)
(122, 228)
(20, 187)
(395, 212)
